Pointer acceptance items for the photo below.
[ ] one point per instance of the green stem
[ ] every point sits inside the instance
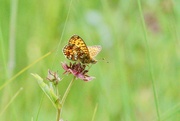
(64, 98)
(58, 114)
(11, 101)
(40, 107)
(67, 91)
(57, 92)
(95, 110)
(58, 109)
(149, 61)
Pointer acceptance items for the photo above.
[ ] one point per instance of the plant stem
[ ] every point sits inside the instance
(149, 61)
(12, 36)
(95, 110)
(58, 109)
(12, 99)
(57, 92)
(64, 98)
(67, 91)
(58, 114)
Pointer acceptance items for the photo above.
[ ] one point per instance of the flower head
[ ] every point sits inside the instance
(78, 70)
(53, 77)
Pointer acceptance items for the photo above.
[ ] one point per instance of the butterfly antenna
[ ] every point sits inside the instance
(103, 59)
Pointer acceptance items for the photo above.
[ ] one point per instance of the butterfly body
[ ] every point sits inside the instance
(76, 50)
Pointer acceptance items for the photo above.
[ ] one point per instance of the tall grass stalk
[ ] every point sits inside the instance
(58, 46)
(149, 60)
(94, 113)
(39, 107)
(23, 70)
(12, 37)
(12, 99)
(3, 52)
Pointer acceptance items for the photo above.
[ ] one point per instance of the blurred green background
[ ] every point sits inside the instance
(123, 88)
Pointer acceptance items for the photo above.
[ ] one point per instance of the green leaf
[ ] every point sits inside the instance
(49, 91)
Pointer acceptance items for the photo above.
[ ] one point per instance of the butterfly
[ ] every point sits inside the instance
(77, 50)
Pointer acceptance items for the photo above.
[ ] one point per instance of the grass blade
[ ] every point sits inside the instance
(149, 59)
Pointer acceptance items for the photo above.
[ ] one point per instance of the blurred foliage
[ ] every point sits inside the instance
(122, 88)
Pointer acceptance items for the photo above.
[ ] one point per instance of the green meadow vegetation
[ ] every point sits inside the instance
(140, 40)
